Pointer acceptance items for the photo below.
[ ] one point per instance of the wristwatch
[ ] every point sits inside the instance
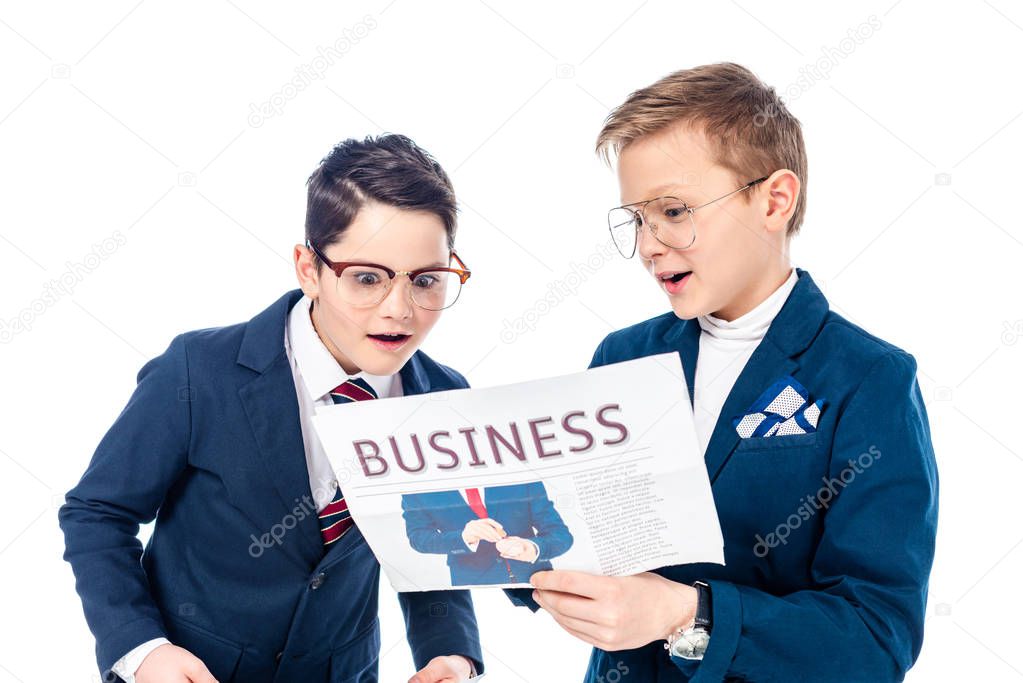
(691, 642)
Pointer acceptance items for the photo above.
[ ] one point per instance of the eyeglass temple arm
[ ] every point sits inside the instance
(724, 196)
(461, 265)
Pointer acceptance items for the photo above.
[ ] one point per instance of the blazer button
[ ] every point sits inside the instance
(317, 581)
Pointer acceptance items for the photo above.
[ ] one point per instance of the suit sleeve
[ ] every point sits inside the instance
(552, 535)
(440, 623)
(425, 535)
(134, 466)
(599, 358)
(864, 620)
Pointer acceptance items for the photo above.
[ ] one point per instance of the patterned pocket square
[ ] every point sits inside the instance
(785, 408)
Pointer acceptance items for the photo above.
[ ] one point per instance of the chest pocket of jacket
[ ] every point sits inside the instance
(766, 484)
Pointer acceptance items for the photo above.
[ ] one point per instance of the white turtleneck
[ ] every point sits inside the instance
(725, 348)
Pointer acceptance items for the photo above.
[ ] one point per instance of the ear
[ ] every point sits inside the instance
(782, 190)
(307, 270)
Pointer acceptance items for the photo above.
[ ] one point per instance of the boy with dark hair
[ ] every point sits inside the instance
(255, 571)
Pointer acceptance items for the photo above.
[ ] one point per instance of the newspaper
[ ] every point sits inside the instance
(597, 471)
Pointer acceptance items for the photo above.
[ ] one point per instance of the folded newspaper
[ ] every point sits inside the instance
(598, 471)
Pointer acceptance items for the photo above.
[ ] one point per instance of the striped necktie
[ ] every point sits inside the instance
(335, 519)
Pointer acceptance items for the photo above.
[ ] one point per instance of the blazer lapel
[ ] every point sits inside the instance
(684, 337)
(791, 332)
(767, 364)
(271, 406)
(414, 379)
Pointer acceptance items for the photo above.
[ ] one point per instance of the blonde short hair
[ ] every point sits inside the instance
(750, 130)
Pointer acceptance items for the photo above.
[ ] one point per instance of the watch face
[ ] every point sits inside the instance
(691, 644)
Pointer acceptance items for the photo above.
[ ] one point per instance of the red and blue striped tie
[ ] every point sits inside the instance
(335, 519)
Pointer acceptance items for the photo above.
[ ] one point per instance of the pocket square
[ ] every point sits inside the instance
(784, 408)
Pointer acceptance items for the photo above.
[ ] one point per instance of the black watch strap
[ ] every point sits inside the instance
(704, 614)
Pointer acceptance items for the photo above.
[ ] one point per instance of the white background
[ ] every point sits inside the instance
(135, 117)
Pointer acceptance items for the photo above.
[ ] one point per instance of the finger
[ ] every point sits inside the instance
(569, 605)
(565, 581)
(584, 630)
(583, 636)
(493, 523)
(437, 671)
(491, 534)
(198, 673)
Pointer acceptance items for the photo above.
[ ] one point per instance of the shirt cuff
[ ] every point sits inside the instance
(126, 666)
(535, 559)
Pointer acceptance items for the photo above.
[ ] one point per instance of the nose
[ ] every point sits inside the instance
(398, 302)
(647, 245)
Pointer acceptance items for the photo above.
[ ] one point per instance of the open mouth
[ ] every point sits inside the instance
(390, 342)
(390, 337)
(673, 282)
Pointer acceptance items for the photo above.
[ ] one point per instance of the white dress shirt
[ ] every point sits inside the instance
(725, 348)
(316, 373)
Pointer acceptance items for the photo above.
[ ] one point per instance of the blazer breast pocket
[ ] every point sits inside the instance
(765, 482)
(777, 470)
(778, 443)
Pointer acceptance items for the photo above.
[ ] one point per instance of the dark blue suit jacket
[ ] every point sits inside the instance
(210, 445)
(434, 523)
(843, 597)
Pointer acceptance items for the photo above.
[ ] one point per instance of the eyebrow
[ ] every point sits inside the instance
(666, 190)
(365, 262)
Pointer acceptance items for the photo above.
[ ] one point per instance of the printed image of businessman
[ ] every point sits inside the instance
(492, 535)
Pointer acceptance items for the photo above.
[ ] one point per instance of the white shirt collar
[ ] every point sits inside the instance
(753, 325)
(319, 370)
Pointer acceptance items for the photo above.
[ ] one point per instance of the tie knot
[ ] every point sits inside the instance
(355, 389)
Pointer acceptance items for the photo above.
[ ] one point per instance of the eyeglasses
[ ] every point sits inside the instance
(669, 219)
(367, 284)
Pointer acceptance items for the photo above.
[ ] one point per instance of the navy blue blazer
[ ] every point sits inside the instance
(434, 524)
(829, 536)
(210, 445)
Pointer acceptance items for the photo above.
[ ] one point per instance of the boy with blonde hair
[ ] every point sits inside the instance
(814, 431)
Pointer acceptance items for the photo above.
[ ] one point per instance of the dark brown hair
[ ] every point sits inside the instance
(390, 169)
